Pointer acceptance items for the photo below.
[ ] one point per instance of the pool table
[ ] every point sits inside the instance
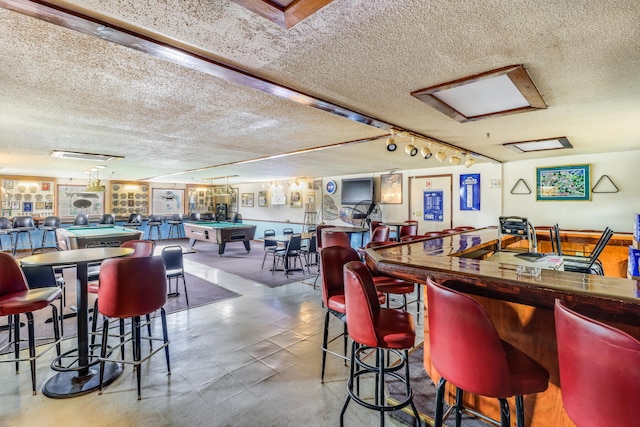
(77, 237)
(220, 233)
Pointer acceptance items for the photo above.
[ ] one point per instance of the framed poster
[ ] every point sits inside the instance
(45, 186)
(167, 201)
(563, 183)
(296, 199)
(470, 192)
(27, 206)
(8, 184)
(263, 199)
(15, 205)
(391, 188)
(73, 200)
(246, 200)
(233, 200)
(433, 201)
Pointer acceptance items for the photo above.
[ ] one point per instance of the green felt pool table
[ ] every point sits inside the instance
(220, 233)
(81, 236)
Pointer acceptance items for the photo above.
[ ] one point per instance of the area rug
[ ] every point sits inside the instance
(201, 292)
(424, 396)
(236, 260)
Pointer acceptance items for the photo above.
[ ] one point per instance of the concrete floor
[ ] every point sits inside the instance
(248, 361)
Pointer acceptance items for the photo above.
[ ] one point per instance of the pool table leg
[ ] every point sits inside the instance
(221, 247)
(247, 245)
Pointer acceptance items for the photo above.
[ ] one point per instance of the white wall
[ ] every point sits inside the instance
(614, 210)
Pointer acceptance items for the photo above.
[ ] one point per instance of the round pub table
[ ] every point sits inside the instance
(79, 378)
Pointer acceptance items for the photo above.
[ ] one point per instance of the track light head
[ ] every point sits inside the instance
(455, 159)
(441, 155)
(391, 144)
(469, 161)
(426, 153)
(411, 150)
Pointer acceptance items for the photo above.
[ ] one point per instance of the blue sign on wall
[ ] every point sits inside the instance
(470, 192)
(433, 205)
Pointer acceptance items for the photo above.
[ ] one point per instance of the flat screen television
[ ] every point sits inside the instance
(355, 190)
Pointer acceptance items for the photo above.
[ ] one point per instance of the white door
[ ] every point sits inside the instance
(430, 202)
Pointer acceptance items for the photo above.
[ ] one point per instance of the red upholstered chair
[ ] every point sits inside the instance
(333, 259)
(319, 228)
(408, 230)
(467, 351)
(129, 288)
(332, 238)
(380, 234)
(599, 374)
(371, 326)
(15, 299)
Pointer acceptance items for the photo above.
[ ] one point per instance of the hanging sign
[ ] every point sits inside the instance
(470, 192)
(433, 205)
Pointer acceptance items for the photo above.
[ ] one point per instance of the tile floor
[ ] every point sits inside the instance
(248, 361)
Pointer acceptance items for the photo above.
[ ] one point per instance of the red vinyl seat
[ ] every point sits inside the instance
(335, 238)
(130, 288)
(464, 228)
(434, 234)
(467, 351)
(408, 230)
(372, 327)
(599, 374)
(450, 231)
(15, 299)
(333, 259)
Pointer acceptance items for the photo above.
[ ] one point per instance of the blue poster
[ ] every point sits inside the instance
(470, 192)
(433, 205)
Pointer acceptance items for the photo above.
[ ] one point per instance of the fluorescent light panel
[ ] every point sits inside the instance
(539, 145)
(499, 92)
(83, 156)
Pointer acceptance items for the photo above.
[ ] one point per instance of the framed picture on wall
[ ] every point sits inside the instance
(233, 200)
(167, 201)
(246, 200)
(72, 200)
(45, 186)
(15, 205)
(564, 183)
(296, 199)
(391, 189)
(27, 206)
(263, 199)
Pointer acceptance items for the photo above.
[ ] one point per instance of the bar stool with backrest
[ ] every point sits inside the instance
(476, 361)
(50, 225)
(408, 230)
(379, 234)
(155, 222)
(134, 221)
(392, 286)
(23, 225)
(130, 288)
(319, 228)
(81, 219)
(107, 219)
(384, 331)
(15, 299)
(335, 238)
(599, 375)
(332, 261)
(175, 226)
(6, 227)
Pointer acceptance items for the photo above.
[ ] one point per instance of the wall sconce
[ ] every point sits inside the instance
(441, 155)
(469, 161)
(391, 143)
(410, 149)
(455, 159)
(426, 153)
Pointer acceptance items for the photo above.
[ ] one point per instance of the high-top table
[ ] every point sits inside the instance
(348, 230)
(78, 378)
(521, 307)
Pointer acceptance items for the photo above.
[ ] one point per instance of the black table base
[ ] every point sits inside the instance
(71, 384)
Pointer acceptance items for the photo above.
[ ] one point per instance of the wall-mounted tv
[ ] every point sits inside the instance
(355, 190)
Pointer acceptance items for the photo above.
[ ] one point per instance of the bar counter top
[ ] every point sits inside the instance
(452, 257)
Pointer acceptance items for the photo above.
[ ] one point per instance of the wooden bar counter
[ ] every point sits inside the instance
(520, 307)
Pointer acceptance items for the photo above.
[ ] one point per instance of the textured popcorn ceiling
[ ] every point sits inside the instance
(60, 89)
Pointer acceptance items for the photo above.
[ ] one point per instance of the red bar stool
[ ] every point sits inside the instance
(15, 299)
(599, 373)
(377, 329)
(335, 238)
(467, 351)
(333, 259)
(130, 288)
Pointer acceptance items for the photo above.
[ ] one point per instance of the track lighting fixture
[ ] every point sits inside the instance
(469, 161)
(441, 155)
(455, 159)
(411, 149)
(391, 143)
(426, 153)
